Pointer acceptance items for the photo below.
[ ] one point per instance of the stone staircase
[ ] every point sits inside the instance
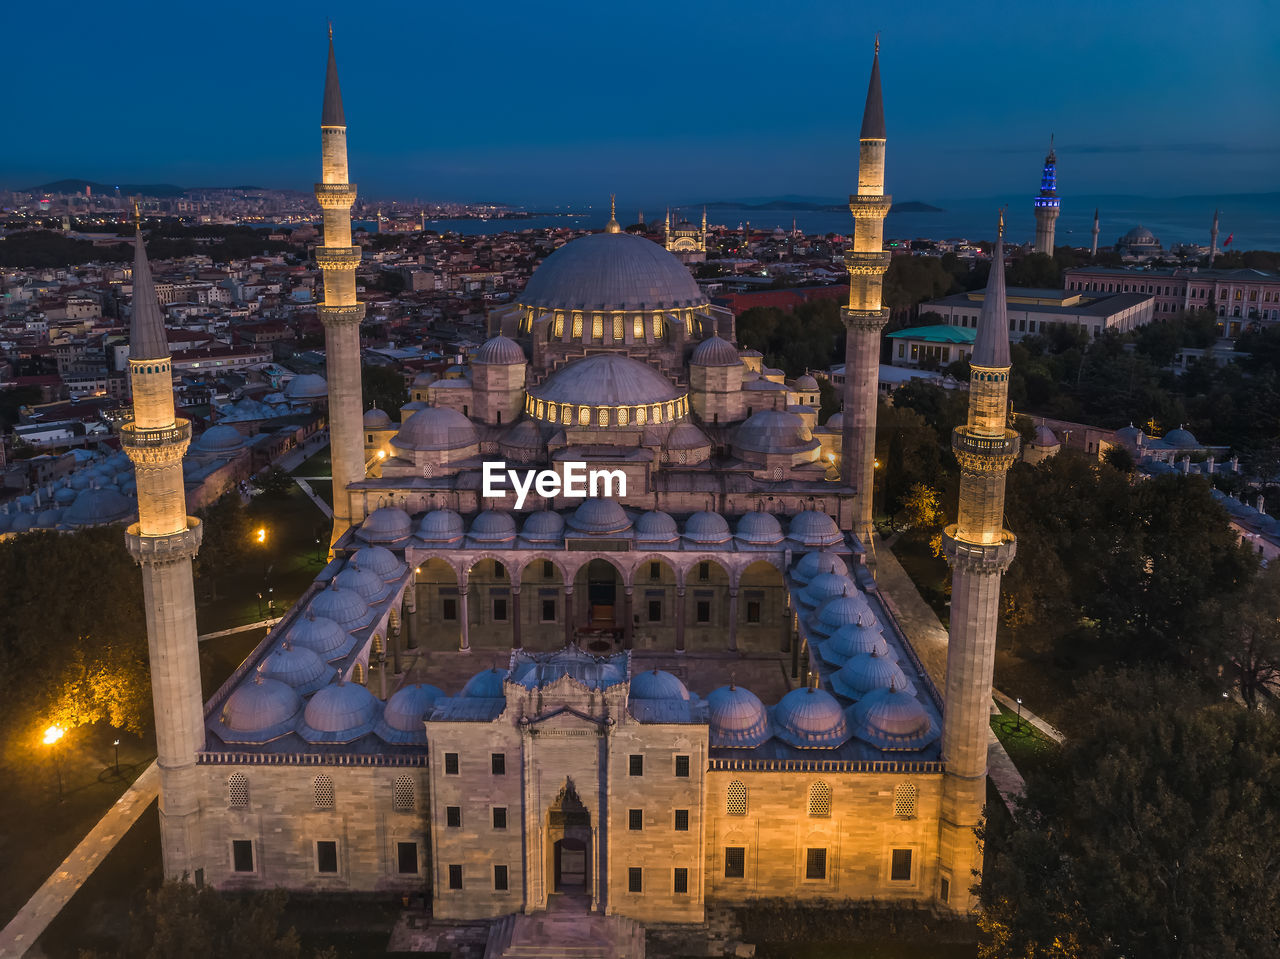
(564, 935)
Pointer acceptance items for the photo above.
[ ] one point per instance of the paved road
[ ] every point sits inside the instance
(41, 909)
(260, 624)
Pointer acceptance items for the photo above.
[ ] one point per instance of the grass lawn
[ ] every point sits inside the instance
(931, 574)
(318, 464)
(1029, 749)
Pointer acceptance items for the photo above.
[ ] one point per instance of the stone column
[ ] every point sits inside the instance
(733, 620)
(568, 615)
(861, 396)
(465, 645)
(628, 619)
(516, 642)
(680, 619)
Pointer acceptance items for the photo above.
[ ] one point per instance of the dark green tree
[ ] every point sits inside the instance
(227, 532)
(384, 388)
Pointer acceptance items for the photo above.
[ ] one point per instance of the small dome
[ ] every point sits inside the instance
(656, 526)
(827, 586)
(759, 529)
(815, 528)
(493, 526)
(307, 387)
(22, 522)
(1139, 234)
(378, 560)
(773, 431)
(1181, 439)
(707, 528)
(543, 526)
(345, 607)
(436, 428)
(219, 439)
(1130, 435)
(892, 719)
(97, 507)
(376, 419)
(835, 421)
(715, 351)
(737, 717)
(686, 436)
(82, 479)
(868, 672)
(810, 718)
(48, 518)
(1045, 438)
(64, 496)
(319, 634)
(423, 380)
(853, 639)
(485, 685)
(441, 526)
(499, 351)
(658, 684)
(296, 666)
(260, 704)
(805, 382)
(369, 585)
(407, 708)
(387, 524)
(840, 611)
(818, 562)
(339, 712)
(5, 520)
(599, 516)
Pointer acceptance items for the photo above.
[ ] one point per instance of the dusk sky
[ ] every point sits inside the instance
(661, 102)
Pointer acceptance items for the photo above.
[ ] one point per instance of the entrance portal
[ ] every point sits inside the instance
(602, 593)
(571, 866)
(569, 835)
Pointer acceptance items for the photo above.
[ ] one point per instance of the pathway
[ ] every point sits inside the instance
(1008, 702)
(311, 494)
(260, 624)
(29, 924)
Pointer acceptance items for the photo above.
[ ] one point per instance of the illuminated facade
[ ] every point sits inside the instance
(685, 241)
(1046, 203)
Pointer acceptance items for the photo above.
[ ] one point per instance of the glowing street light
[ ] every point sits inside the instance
(262, 534)
(53, 734)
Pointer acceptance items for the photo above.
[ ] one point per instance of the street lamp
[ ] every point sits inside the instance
(52, 735)
(1019, 702)
(117, 745)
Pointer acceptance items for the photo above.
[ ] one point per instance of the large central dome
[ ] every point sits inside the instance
(612, 271)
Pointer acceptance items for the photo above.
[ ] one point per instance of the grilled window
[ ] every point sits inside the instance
(736, 799)
(238, 791)
(819, 800)
(402, 794)
(323, 790)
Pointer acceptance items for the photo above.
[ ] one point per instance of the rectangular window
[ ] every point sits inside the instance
(735, 862)
(815, 864)
(548, 569)
(900, 869)
(449, 610)
(500, 878)
(655, 571)
(455, 877)
(635, 819)
(242, 855)
(682, 766)
(682, 820)
(548, 610)
(753, 611)
(635, 765)
(498, 762)
(407, 857)
(326, 856)
(499, 817)
(499, 610)
(634, 880)
(453, 817)
(944, 889)
(499, 571)
(655, 610)
(451, 764)
(704, 572)
(704, 611)
(680, 882)
(902, 350)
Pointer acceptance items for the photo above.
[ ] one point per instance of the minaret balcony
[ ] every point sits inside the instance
(979, 557)
(349, 315)
(337, 257)
(335, 196)
(874, 263)
(870, 207)
(133, 436)
(164, 548)
(985, 454)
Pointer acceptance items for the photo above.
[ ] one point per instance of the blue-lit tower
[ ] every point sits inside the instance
(1047, 203)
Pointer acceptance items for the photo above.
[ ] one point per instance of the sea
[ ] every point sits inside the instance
(1252, 221)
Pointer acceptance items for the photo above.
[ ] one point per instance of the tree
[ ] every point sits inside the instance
(1247, 638)
(383, 388)
(274, 482)
(227, 530)
(921, 506)
(1038, 271)
(1154, 834)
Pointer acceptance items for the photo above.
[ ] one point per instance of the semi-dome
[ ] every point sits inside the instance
(658, 684)
(441, 526)
(376, 419)
(707, 528)
(524, 435)
(1181, 439)
(714, 351)
(340, 712)
(810, 718)
(307, 387)
(606, 379)
(686, 436)
(486, 684)
(737, 718)
(853, 639)
(892, 719)
(369, 585)
(656, 526)
(296, 666)
(321, 635)
(493, 526)
(599, 516)
(816, 563)
(378, 560)
(612, 271)
(840, 611)
(827, 586)
(544, 526)
(774, 431)
(405, 711)
(260, 705)
(815, 528)
(867, 672)
(345, 607)
(97, 507)
(759, 529)
(387, 524)
(499, 351)
(436, 428)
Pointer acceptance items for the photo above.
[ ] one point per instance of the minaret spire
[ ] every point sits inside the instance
(1213, 239)
(613, 226)
(864, 318)
(1047, 202)
(1094, 252)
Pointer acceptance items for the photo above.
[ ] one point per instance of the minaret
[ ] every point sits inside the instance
(1047, 203)
(340, 313)
(1213, 239)
(163, 542)
(1094, 252)
(863, 318)
(979, 549)
(702, 237)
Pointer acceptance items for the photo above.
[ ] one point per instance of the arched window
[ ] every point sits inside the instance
(558, 329)
(904, 801)
(597, 327)
(640, 416)
(617, 329)
(819, 800)
(323, 792)
(602, 416)
(238, 791)
(735, 803)
(622, 416)
(657, 327)
(403, 793)
(377, 644)
(637, 331)
(577, 326)
(584, 416)
(357, 673)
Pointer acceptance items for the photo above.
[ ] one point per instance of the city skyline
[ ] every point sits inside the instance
(712, 102)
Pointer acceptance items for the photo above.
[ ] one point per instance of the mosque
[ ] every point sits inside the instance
(630, 706)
